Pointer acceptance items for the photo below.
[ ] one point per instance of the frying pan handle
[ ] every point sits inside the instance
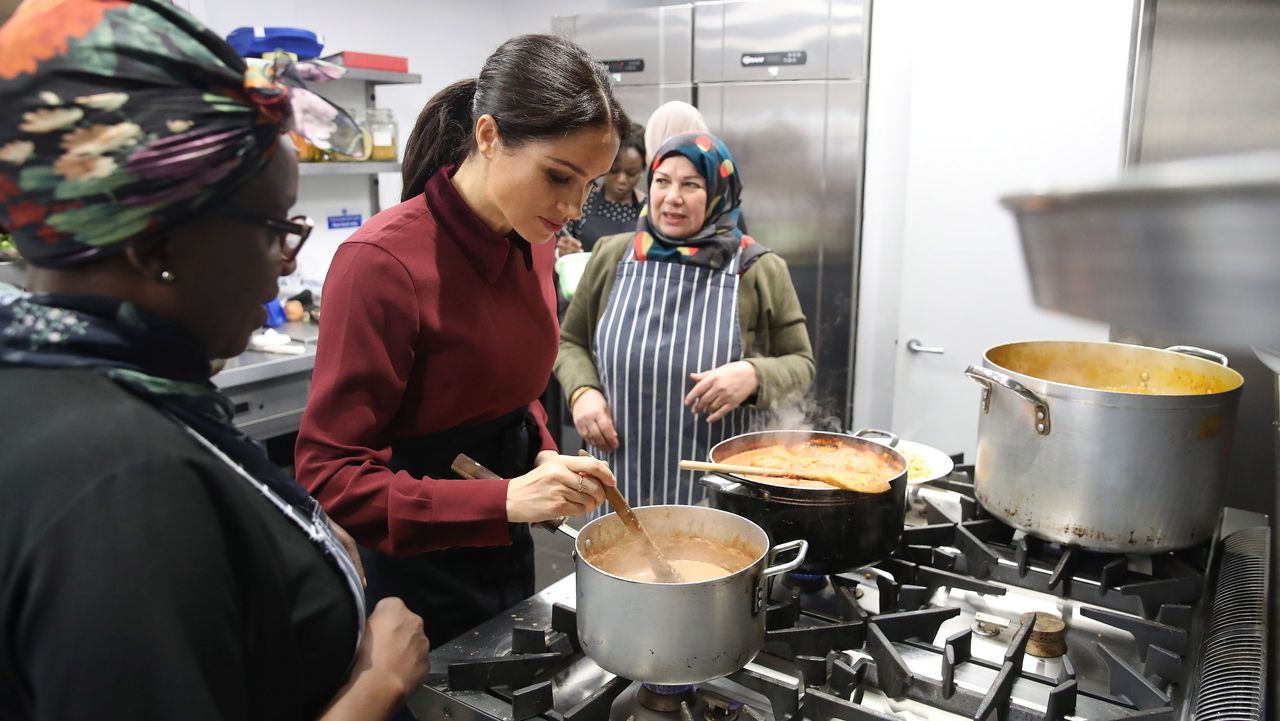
(891, 439)
(791, 565)
(988, 379)
(1191, 350)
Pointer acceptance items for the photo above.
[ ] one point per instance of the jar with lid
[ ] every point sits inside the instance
(382, 125)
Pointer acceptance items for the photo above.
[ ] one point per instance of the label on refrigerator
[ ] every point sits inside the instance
(786, 57)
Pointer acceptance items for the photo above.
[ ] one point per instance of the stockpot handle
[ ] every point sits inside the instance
(1206, 354)
(891, 439)
(988, 378)
(791, 565)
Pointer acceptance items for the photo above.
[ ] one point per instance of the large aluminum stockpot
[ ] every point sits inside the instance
(1106, 446)
(676, 633)
(845, 529)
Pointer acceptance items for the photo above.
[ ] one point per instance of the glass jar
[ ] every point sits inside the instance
(366, 136)
(382, 125)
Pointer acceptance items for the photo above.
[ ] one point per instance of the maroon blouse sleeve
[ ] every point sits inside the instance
(363, 363)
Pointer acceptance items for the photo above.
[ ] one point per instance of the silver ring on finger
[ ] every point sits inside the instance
(582, 486)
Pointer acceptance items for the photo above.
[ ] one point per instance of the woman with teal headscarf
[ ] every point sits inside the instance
(154, 564)
(681, 332)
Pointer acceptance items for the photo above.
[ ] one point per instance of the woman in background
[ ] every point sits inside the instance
(676, 118)
(680, 329)
(614, 204)
(669, 120)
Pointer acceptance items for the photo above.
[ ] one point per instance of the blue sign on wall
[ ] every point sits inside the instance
(344, 220)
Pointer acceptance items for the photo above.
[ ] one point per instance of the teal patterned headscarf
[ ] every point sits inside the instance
(720, 238)
(120, 119)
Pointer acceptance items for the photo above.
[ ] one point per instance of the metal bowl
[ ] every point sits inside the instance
(1186, 247)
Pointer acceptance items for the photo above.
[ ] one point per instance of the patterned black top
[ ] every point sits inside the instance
(601, 217)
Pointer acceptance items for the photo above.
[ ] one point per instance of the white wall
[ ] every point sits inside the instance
(969, 102)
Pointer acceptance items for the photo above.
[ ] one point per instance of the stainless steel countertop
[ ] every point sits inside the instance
(255, 366)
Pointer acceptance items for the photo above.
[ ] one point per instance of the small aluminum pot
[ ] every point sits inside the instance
(845, 529)
(676, 633)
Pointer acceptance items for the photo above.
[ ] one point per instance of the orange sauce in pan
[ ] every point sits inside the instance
(850, 468)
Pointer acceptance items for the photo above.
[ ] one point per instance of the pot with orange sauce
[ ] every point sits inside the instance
(846, 529)
(1106, 446)
(676, 633)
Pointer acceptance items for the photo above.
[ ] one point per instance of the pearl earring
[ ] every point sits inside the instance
(167, 276)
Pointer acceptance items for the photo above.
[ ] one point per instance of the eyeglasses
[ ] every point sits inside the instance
(293, 232)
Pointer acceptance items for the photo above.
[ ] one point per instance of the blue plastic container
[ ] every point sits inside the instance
(252, 42)
(275, 314)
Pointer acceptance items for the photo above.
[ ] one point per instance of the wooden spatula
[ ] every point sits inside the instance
(662, 569)
(849, 481)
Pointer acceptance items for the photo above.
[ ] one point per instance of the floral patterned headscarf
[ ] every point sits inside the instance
(719, 238)
(120, 119)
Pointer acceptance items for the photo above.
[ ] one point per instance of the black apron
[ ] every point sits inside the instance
(456, 589)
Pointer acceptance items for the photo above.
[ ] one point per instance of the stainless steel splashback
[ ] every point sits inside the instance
(1206, 80)
(1205, 83)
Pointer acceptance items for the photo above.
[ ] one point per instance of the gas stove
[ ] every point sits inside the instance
(968, 619)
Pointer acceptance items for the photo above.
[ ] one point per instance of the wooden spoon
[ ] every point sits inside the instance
(860, 482)
(664, 571)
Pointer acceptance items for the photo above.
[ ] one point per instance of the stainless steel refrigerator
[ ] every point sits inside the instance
(647, 51)
(784, 84)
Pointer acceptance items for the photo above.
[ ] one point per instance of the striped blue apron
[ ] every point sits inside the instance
(662, 322)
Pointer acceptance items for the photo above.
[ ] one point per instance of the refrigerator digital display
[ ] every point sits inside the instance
(786, 57)
(635, 65)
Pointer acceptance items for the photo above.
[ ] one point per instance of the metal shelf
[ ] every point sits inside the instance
(380, 77)
(348, 168)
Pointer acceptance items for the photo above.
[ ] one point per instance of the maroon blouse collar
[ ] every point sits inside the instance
(487, 250)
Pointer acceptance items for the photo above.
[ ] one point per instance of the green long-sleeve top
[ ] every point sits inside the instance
(774, 337)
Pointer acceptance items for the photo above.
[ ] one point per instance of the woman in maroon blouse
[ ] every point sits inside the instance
(440, 332)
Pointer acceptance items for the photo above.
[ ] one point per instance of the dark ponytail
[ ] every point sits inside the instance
(442, 136)
(535, 86)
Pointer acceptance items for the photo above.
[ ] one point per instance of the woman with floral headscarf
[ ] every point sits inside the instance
(680, 331)
(153, 563)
